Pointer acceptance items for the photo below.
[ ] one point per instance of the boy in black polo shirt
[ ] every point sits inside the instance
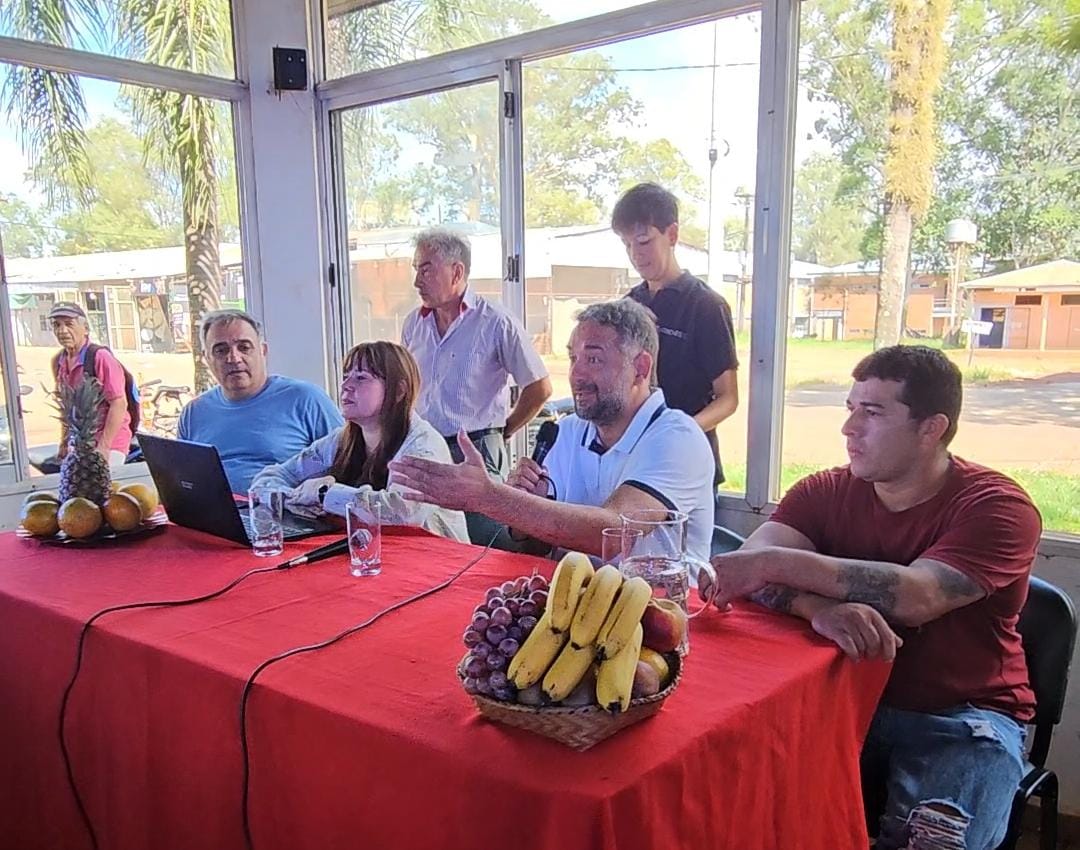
(697, 364)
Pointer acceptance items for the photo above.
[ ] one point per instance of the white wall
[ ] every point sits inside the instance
(284, 232)
(1058, 563)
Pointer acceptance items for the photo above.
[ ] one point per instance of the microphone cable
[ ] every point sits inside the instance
(298, 650)
(170, 603)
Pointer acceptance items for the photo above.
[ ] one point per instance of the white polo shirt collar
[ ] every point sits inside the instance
(653, 406)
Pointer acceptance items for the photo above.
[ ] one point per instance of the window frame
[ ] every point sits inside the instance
(503, 59)
(234, 92)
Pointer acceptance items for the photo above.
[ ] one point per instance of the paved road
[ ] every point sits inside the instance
(1022, 423)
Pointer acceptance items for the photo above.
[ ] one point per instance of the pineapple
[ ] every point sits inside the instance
(83, 472)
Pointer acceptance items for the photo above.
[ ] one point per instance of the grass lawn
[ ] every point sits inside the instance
(812, 362)
(1056, 494)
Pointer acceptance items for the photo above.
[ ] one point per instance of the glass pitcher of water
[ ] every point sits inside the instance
(655, 549)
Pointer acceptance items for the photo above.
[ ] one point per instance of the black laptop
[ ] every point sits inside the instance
(195, 491)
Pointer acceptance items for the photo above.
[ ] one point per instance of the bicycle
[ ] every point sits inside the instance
(161, 411)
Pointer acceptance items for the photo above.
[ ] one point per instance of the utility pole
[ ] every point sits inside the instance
(744, 260)
(715, 236)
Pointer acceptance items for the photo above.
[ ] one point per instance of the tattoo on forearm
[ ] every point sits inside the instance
(776, 596)
(870, 586)
(953, 583)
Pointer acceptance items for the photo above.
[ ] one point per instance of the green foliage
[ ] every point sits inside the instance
(181, 132)
(735, 233)
(827, 223)
(131, 204)
(1056, 494)
(574, 108)
(380, 34)
(1008, 124)
(23, 231)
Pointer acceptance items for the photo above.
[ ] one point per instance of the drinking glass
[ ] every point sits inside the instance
(364, 525)
(265, 506)
(618, 543)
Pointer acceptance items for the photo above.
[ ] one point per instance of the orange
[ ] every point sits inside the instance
(39, 518)
(123, 512)
(147, 497)
(41, 496)
(79, 517)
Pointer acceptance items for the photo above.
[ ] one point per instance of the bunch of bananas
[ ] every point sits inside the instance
(592, 616)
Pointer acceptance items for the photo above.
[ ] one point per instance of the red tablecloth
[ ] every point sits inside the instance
(372, 743)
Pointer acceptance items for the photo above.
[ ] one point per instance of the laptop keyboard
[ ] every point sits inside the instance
(288, 526)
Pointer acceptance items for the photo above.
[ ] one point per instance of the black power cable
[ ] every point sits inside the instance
(174, 603)
(244, 696)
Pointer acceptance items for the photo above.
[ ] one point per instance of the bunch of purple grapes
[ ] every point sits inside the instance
(499, 626)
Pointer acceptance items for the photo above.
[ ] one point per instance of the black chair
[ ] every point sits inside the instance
(724, 540)
(1048, 627)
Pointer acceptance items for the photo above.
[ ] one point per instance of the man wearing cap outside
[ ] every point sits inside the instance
(72, 331)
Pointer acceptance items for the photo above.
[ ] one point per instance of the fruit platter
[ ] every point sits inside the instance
(128, 511)
(88, 507)
(576, 659)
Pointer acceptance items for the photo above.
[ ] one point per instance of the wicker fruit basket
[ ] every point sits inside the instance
(579, 727)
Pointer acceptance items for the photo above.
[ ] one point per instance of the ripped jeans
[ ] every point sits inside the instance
(948, 778)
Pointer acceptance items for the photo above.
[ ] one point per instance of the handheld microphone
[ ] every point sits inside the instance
(545, 439)
(323, 552)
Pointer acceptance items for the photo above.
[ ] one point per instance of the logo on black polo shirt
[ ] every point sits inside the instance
(672, 332)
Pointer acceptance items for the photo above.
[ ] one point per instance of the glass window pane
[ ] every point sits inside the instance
(679, 109)
(113, 240)
(366, 34)
(6, 449)
(415, 163)
(193, 36)
(986, 273)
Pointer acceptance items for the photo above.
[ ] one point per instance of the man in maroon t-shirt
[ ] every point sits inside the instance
(913, 555)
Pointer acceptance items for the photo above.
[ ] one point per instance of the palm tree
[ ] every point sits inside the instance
(181, 130)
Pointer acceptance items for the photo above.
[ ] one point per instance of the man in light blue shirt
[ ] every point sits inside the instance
(253, 419)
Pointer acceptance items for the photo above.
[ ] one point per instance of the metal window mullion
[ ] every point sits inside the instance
(512, 189)
(317, 39)
(772, 232)
(512, 207)
(382, 89)
(250, 253)
(336, 230)
(20, 455)
(244, 163)
(113, 69)
(458, 66)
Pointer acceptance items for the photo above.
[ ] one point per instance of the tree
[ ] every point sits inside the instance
(573, 109)
(1008, 127)
(828, 226)
(915, 65)
(180, 131)
(128, 205)
(1012, 131)
(1067, 34)
(735, 236)
(22, 232)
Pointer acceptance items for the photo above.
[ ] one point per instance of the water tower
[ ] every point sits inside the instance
(960, 234)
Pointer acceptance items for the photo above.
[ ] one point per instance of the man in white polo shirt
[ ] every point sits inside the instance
(467, 350)
(624, 449)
